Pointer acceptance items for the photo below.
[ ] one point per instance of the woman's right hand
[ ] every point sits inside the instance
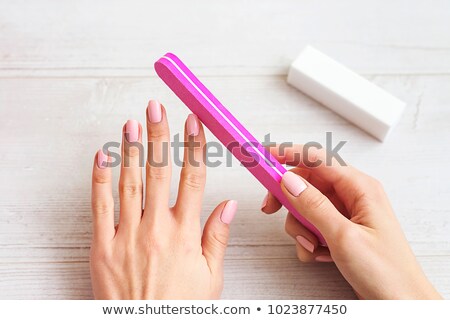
(353, 213)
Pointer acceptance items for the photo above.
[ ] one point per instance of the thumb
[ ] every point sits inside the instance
(216, 233)
(313, 205)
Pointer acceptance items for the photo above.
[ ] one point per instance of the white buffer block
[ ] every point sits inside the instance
(348, 94)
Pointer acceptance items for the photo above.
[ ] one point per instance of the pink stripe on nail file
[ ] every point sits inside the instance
(227, 129)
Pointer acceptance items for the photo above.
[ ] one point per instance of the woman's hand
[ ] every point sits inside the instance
(353, 213)
(157, 252)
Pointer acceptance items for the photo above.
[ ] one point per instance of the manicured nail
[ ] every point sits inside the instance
(154, 111)
(132, 131)
(293, 183)
(305, 243)
(192, 125)
(264, 202)
(325, 258)
(102, 159)
(228, 211)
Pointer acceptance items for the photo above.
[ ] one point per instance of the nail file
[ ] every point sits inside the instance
(348, 94)
(227, 129)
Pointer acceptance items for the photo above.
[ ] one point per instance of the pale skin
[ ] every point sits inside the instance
(161, 252)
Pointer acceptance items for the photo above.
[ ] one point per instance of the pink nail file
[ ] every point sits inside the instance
(227, 129)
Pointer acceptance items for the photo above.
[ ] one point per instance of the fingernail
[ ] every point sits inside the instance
(325, 258)
(264, 202)
(305, 243)
(132, 131)
(154, 111)
(228, 212)
(293, 183)
(192, 125)
(102, 159)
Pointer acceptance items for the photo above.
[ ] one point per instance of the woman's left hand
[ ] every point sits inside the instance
(157, 252)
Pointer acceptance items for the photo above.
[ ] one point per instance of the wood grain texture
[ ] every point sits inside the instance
(72, 74)
(225, 37)
(254, 278)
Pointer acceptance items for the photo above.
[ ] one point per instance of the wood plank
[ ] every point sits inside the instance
(244, 279)
(45, 218)
(63, 121)
(112, 38)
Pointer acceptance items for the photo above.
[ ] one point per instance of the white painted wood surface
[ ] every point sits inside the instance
(71, 73)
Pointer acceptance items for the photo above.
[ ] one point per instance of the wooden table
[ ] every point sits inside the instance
(72, 72)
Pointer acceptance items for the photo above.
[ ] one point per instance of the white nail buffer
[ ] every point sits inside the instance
(345, 92)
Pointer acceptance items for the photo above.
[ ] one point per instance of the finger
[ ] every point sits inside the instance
(313, 205)
(309, 175)
(270, 204)
(299, 233)
(158, 166)
(307, 245)
(329, 169)
(324, 187)
(130, 182)
(102, 199)
(322, 254)
(349, 183)
(193, 175)
(216, 234)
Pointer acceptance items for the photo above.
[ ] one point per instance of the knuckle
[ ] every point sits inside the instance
(156, 173)
(194, 180)
(100, 255)
(101, 178)
(373, 189)
(156, 247)
(130, 190)
(132, 152)
(157, 134)
(102, 207)
(315, 201)
(220, 238)
(347, 237)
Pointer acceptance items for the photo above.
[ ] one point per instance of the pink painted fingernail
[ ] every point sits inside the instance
(132, 131)
(293, 183)
(264, 202)
(228, 211)
(324, 258)
(305, 243)
(192, 125)
(102, 159)
(154, 111)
